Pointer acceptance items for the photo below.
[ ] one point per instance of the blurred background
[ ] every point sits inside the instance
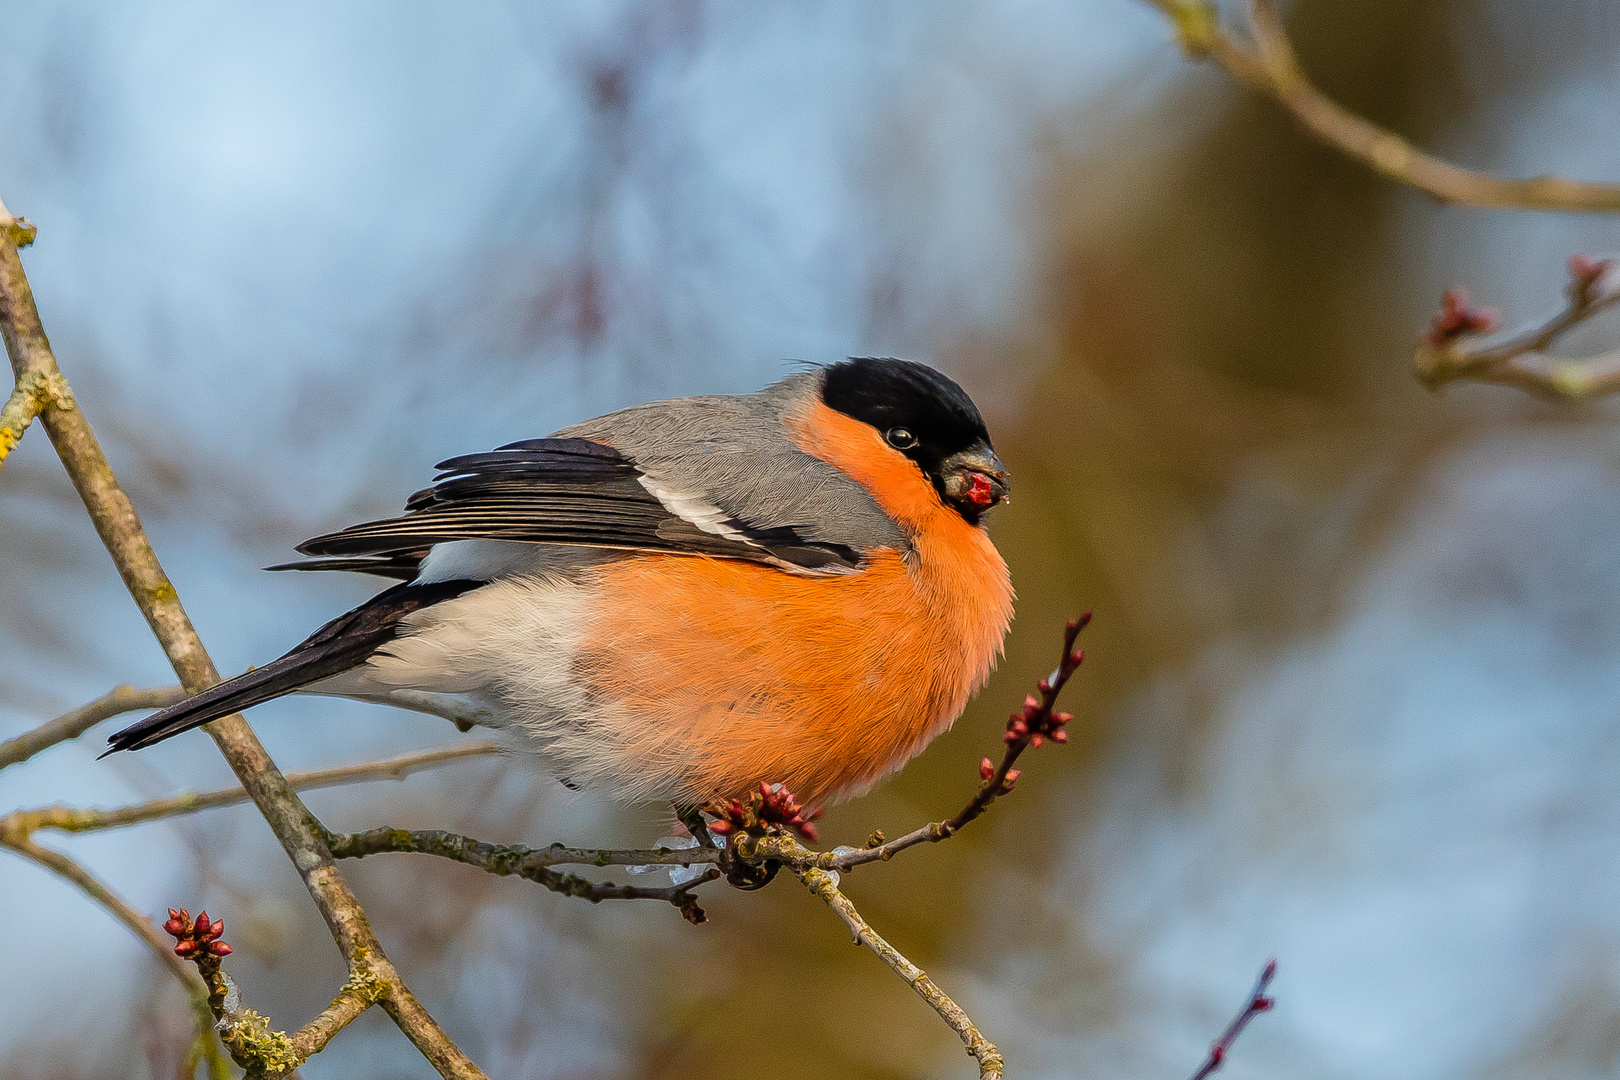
(1352, 697)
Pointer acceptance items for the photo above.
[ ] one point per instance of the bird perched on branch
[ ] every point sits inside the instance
(685, 598)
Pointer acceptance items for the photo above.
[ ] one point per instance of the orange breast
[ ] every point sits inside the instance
(727, 674)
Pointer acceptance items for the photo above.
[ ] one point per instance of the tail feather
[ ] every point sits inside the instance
(345, 642)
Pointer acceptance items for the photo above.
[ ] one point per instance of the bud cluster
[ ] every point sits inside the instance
(1460, 318)
(1586, 278)
(196, 940)
(770, 808)
(1037, 722)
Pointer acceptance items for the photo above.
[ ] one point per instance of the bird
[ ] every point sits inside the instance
(684, 599)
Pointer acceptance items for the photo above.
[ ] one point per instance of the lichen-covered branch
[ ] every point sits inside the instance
(121, 533)
(264, 1053)
(118, 700)
(1452, 350)
(1269, 65)
(534, 864)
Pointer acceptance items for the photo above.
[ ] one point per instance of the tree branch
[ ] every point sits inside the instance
(825, 885)
(76, 819)
(1448, 352)
(1258, 1003)
(1272, 68)
(120, 699)
(534, 864)
(120, 530)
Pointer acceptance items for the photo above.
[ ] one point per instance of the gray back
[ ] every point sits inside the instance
(734, 452)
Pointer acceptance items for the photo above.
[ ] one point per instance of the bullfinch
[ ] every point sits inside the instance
(683, 599)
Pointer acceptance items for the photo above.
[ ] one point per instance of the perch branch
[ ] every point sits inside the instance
(1449, 352)
(1271, 67)
(534, 864)
(120, 699)
(121, 533)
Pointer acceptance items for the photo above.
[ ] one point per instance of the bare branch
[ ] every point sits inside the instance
(75, 819)
(120, 699)
(1272, 68)
(825, 885)
(1257, 1004)
(120, 530)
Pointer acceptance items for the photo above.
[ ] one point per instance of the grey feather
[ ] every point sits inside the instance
(735, 453)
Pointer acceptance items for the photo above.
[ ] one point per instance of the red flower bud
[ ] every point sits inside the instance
(987, 769)
(185, 947)
(1060, 736)
(219, 948)
(1459, 318)
(1584, 276)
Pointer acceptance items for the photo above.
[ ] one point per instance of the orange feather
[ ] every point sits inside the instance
(732, 673)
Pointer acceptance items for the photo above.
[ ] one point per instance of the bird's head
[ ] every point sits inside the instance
(929, 419)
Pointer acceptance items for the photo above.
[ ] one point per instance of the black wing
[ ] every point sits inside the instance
(555, 491)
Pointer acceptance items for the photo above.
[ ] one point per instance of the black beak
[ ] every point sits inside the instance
(975, 479)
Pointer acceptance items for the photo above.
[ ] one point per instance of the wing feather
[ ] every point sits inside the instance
(559, 491)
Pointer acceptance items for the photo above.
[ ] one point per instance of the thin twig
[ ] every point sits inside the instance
(140, 926)
(534, 864)
(120, 699)
(1452, 351)
(121, 533)
(823, 884)
(78, 819)
(1258, 1003)
(1035, 722)
(1272, 68)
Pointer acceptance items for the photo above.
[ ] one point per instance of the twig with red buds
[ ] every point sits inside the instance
(771, 808)
(200, 942)
(1258, 1003)
(195, 940)
(1447, 353)
(1036, 722)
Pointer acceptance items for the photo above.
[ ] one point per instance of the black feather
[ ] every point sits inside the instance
(345, 642)
(554, 491)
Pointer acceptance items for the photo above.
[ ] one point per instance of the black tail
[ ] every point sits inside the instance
(341, 644)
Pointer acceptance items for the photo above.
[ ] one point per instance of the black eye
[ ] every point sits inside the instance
(901, 438)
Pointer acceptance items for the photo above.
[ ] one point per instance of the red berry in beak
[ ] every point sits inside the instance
(979, 492)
